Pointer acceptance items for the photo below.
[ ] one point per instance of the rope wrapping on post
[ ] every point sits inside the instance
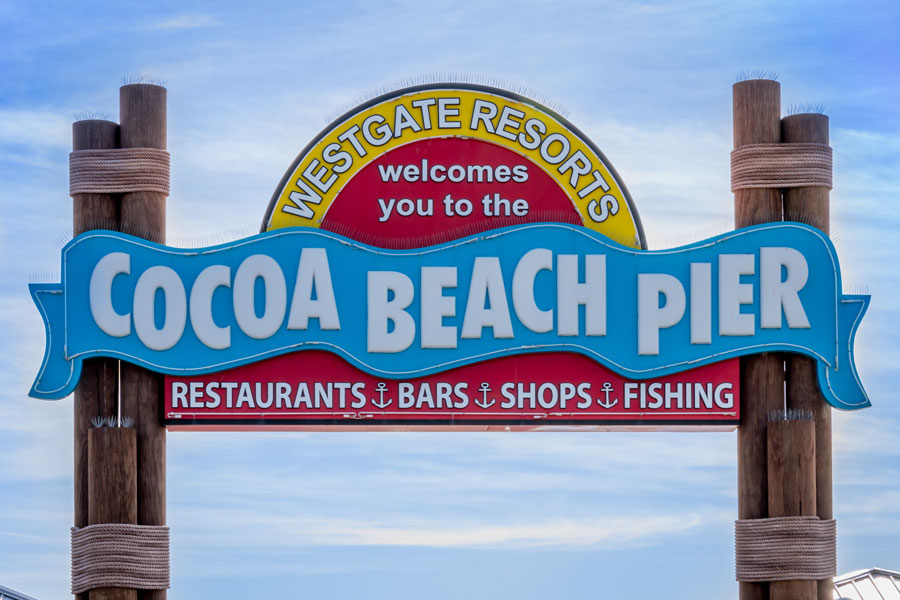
(118, 171)
(785, 548)
(781, 166)
(120, 555)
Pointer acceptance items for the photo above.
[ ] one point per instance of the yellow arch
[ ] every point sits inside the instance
(359, 137)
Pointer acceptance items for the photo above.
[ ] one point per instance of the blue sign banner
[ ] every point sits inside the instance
(398, 314)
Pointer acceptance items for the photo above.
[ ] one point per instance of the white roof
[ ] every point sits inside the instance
(868, 584)
(8, 594)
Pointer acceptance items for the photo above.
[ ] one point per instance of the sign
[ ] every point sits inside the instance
(437, 162)
(531, 391)
(401, 314)
(452, 255)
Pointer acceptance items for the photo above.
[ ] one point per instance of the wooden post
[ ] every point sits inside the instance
(112, 485)
(98, 388)
(810, 205)
(142, 115)
(142, 118)
(757, 119)
(792, 487)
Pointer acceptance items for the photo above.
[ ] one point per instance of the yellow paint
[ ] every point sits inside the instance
(345, 149)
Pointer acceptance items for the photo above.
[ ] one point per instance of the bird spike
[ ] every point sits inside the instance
(43, 277)
(756, 74)
(95, 115)
(148, 78)
(801, 108)
(857, 289)
(790, 414)
(693, 237)
(525, 93)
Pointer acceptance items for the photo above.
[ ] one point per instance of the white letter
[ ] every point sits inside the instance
(701, 303)
(436, 306)
(487, 284)
(213, 336)
(724, 399)
(381, 310)
(733, 293)
(167, 280)
(384, 131)
(774, 293)
(313, 271)
(179, 394)
(405, 398)
(105, 316)
(275, 295)
(532, 317)
(652, 317)
(570, 294)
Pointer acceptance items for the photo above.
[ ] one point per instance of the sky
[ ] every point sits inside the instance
(444, 515)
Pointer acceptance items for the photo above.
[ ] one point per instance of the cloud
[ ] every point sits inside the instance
(865, 434)
(612, 532)
(652, 96)
(873, 512)
(21, 321)
(34, 434)
(36, 129)
(677, 174)
(185, 22)
(261, 528)
(450, 471)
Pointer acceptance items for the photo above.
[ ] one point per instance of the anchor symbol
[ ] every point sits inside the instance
(606, 389)
(381, 388)
(483, 403)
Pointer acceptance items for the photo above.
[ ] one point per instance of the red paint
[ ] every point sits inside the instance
(356, 211)
(547, 375)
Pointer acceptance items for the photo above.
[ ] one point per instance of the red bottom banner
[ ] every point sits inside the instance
(315, 390)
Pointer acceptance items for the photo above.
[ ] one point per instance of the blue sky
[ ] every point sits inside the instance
(444, 515)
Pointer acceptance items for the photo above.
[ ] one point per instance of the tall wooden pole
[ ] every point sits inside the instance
(757, 119)
(142, 115)
(810, 205)
(97, 391)
(792, 487)
(113, 489)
